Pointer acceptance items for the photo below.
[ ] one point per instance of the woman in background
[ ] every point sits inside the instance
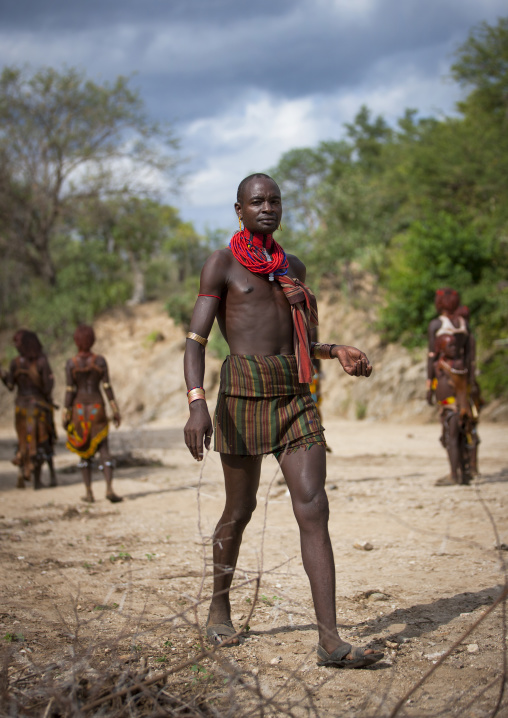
(31, 374)
(84, 416)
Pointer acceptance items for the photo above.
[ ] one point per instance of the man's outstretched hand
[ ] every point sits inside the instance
(198, 428)
(354, 362)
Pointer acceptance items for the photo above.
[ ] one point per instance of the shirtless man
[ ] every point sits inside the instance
(84, 415)
(264, 404)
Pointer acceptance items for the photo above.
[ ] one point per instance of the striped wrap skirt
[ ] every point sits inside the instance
(262, 408)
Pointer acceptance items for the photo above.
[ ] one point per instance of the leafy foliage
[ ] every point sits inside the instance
(438, 251)
(421, 205)
(77, 230)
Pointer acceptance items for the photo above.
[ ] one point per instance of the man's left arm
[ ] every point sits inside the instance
(353, 360)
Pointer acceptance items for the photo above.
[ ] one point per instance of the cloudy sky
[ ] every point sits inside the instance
(243, 81)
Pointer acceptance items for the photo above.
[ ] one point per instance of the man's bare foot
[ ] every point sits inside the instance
(114, 498)
(88, 499)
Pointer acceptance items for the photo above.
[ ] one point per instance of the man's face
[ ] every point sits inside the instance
(260, 208)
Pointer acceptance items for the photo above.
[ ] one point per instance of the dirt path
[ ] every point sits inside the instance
(119, 582)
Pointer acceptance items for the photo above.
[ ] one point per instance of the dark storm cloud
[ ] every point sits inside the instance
(246, 80)
(67, 15)
(197, 57)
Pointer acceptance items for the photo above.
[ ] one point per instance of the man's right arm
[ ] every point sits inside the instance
(212, 286)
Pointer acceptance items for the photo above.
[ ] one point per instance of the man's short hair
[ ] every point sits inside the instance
(243, 184)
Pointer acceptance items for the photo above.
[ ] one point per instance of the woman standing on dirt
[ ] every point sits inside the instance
(84, 416)
(31, 373)
(447, 302)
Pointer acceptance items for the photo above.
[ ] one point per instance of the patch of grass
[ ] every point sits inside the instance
(14, 637)
(200, 673)
(153, 338)
(361, 410)
(269, 601)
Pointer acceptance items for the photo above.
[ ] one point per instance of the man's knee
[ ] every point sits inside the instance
(312, 509)
(240, 514)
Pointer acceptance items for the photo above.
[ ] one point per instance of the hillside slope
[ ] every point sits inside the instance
(145, 352)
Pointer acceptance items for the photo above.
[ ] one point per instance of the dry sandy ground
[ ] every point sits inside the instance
(121, 582)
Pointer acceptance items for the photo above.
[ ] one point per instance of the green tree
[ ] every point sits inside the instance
(64, 138)
(482, 67)
(440, 251)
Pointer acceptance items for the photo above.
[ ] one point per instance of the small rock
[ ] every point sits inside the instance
(276, 660)
(378, 596)
(433, 656)
(363, 546)
(473, 648)
(391, 644)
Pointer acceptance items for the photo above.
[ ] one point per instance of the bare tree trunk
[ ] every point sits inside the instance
(47, 268)
(138, 281)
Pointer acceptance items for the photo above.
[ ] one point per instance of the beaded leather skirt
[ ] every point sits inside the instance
(87, 430)
(36, 433)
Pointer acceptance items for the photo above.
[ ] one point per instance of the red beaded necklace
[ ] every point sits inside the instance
(258, 256)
